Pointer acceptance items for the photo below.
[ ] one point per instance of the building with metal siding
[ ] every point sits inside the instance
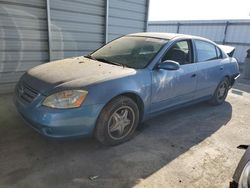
(37, 31)
(126, 17)
(24, 39)
(229, 32)
(77, 27)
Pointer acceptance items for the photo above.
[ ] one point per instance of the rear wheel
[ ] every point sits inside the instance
(221, 92)
(117, 121)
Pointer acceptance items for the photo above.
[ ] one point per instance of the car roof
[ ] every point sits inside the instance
(162, 35)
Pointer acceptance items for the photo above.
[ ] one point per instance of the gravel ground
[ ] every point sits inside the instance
(190, 147)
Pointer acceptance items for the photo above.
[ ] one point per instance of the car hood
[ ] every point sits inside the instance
(72, 73)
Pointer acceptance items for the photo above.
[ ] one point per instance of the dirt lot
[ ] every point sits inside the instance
(191, 147)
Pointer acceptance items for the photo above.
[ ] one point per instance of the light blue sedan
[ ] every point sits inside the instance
(107, 93)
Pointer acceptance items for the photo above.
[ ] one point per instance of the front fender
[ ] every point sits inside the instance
(139, 84)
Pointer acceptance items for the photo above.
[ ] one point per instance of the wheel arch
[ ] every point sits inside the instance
(132, 95)
(230, 79)
(137, 99)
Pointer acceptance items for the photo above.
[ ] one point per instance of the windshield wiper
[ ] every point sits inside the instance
(110, 62)
(90, 57)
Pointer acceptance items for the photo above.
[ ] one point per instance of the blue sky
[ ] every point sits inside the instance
(198, 9)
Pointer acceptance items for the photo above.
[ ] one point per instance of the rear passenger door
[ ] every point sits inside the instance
(209, 67)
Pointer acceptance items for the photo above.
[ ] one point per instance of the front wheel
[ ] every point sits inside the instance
(221, 92)
(117, 121)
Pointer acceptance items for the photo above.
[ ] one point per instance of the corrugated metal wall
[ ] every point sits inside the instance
(77, 28)
(229, 32)
(127, 16)
(23, 35)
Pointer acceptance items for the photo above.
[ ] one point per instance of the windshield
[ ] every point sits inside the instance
(129, 51)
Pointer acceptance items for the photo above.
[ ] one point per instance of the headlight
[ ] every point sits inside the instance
(66, 99)
(245, 177)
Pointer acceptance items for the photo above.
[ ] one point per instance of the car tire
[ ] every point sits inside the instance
(117, 121)
(221, 92)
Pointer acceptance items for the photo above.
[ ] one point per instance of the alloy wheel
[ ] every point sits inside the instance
(121, 122)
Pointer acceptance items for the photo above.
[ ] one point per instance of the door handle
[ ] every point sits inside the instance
(221, 68)
(193, 75)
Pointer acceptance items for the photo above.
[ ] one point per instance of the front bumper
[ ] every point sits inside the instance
(58, 123)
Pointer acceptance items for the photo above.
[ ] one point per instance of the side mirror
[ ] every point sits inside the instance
(169, 65)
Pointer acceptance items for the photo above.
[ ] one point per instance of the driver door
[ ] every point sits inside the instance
(173, 87)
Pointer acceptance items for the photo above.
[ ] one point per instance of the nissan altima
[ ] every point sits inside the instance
(108, 92)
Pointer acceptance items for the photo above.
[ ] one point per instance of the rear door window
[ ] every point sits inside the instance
(205, 51)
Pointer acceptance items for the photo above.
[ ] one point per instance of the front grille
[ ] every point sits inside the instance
(26, 93)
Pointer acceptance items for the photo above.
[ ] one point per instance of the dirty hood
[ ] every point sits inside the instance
(72, 73)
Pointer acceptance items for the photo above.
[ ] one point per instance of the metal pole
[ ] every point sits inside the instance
(49, 29)
(178, 27)
(225, 33)
(146, 15)
(106, 22)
